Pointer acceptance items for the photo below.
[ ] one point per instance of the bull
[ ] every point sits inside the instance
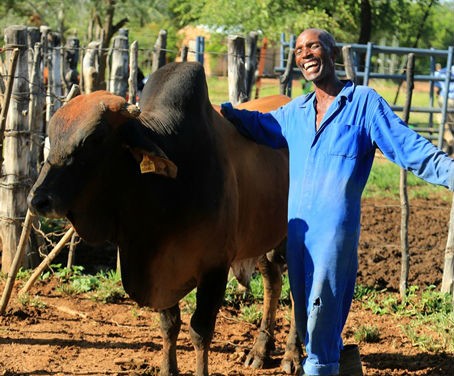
(182, 194)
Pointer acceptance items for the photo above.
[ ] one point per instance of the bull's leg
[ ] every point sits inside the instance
(170, 322)
(291, 362)
(272, 283)
(210, 295)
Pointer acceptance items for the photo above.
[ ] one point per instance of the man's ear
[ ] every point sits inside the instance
(150, 157)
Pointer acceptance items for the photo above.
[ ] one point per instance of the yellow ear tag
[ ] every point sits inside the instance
(147, 165)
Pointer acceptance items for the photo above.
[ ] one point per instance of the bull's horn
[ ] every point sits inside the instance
(130, 110)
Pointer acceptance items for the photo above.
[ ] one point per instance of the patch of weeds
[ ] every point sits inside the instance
(367, 333)
(251, 314)
(23, 274)
(285, 293)
(31, 301)
(431, 312)
(109, 288)
(256, 288)
(189, 302)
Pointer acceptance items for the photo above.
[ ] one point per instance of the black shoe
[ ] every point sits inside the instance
(350, 361)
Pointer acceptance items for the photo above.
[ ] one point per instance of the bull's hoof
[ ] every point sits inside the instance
(259, 353)
(255, 360)
(165, 370)
(291, 364)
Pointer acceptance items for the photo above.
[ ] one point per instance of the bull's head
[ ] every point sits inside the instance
(92, 140)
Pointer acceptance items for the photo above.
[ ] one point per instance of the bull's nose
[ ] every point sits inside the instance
(39, 203)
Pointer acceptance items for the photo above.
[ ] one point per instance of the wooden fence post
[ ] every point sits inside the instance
(159, 52)
(287, 78)
(71, 58)
(54, 84)
(405, 206)
(348, 63)
(119, 64)
(262, 58)
(447, 283)
(251, 61)
(133, 71)
(37, 101)
(184, 53)
(236, 70)
(12, 273)
(90, 67)
(14, 181)
(33, 37)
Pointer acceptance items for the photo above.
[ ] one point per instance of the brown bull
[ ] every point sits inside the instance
(180, 192)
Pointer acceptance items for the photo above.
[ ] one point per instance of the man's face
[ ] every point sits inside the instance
(313, 56)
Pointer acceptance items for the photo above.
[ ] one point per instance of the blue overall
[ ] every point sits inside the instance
(328, 171)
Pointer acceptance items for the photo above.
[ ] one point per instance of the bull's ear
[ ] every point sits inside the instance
(151, 158)
(154, 162)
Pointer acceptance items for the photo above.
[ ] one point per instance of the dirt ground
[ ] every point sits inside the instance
(76, 336)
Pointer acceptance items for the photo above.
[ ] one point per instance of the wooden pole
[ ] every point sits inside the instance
(405, 207)
(6, 101)
(55, 83)
(251, 60)
(72, 251)
(36, 124)
(70, 59)
(286, 78)
(119, 65)
(236, 70)
(159, 51)
(184, 53)
(90, 67)
(16, 262)
(47, 261)
(262, 58)
(348, 63)
(133, 71)
(447, 283)
(14, 180)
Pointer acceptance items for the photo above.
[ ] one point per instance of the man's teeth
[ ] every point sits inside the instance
(310, 65)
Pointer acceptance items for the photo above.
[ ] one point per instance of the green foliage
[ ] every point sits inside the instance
(405, 19)
(251, 313)
(109, 288)
(190, 302)
(23, 274)
(104, 287)
(367, 333)
(27, 300)
(431, 313)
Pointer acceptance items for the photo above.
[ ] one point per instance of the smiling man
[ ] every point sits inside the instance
(332, 135)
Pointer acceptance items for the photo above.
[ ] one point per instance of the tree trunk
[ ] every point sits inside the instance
(366, 22)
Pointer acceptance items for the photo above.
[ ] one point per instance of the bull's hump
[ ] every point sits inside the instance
(176, 86)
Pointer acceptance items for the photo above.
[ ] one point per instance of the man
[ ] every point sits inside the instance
(332, 135)
(440, 87)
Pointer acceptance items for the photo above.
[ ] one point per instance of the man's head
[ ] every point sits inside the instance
(315, 54)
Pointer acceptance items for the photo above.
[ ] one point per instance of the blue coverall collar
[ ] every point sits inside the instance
(346, 92)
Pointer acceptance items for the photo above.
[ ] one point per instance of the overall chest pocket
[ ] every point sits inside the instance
(348, 141)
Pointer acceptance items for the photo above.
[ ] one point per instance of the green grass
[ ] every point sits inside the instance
(384, 182)
(431, 312)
